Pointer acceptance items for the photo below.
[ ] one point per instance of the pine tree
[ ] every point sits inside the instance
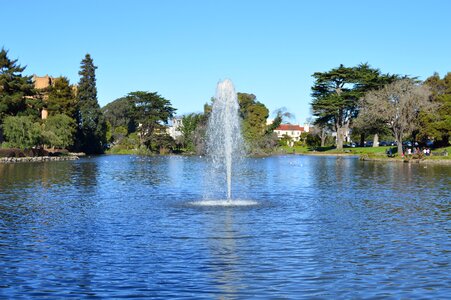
(91, 131)
(61, 98)
(13, 87)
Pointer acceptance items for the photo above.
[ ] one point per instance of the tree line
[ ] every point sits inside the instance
(123, 115)
(368, 102)
(359, 99)
(74, 118)
(136, 122)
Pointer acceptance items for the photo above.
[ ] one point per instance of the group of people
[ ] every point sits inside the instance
(416, 150)
(412, 151)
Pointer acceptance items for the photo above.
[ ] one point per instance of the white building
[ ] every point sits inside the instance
(292, 131)
(174, 129)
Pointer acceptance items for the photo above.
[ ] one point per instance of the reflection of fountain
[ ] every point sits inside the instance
(224, 141)
(223, 236)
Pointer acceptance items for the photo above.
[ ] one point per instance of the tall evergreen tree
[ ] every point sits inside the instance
(336, 94)
(91, 131)
(13, 87)
(61, 98)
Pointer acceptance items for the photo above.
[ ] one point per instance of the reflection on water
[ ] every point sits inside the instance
(224, 257)
(321, 227)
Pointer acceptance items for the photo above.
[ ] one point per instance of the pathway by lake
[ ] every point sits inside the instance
(323, 227)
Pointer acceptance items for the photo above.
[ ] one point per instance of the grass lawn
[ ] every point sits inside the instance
(332, 150)
(379, 152)
(438, 153)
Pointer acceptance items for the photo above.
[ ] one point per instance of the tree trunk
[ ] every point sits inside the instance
(339, 138)
(323, 137)
(376, 140)
(362, 140)
(399, 141)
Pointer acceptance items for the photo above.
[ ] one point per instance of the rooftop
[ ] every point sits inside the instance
(290, 127)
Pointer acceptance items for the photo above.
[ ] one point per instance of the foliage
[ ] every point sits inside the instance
(109, 133)
(151, 113)
(91, 131)
(254, 115)
(365, 125)
(322, 129)
(397, 104)
(164, 143)
(121, 113)
(313, 140)
(61, 98)
(266, 144)
(131, 141)
(190, 123)
(21, 131)
(58, 131)
(199, 135)
(337, 91)
(13, 87)
(118, 134)
(437, 125)
(138, 120)
(285, 140)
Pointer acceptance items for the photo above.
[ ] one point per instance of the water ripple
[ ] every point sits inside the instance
(135, 227)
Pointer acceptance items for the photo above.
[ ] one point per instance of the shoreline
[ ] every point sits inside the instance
(409, 161)
(13, 160)
(326, 154)
(75, 156)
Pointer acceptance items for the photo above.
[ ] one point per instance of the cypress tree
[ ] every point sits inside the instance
(91, 131)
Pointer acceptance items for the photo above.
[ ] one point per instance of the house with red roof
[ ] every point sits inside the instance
(291, 130)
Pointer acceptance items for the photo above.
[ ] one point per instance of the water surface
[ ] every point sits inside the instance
(323, 227)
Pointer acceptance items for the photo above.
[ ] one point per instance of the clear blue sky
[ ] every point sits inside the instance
(182, 48)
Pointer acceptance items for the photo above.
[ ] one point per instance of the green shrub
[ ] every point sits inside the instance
(22, 132)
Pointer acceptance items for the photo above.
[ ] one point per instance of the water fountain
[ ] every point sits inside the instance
(224, 145)
(224, 141)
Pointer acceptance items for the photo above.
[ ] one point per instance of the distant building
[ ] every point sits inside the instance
(43, 82)
(174, 129)
(291, 130)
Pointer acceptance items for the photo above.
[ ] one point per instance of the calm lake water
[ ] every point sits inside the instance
(126, 227)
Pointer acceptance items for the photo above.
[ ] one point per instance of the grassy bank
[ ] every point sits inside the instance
(366, 153)
(379, 153)
(332, 150)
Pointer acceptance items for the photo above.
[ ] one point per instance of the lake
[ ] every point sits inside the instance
(129, 227)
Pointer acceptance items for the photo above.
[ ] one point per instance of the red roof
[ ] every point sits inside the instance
(290, 127)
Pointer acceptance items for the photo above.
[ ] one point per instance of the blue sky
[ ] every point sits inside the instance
(182, 48)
